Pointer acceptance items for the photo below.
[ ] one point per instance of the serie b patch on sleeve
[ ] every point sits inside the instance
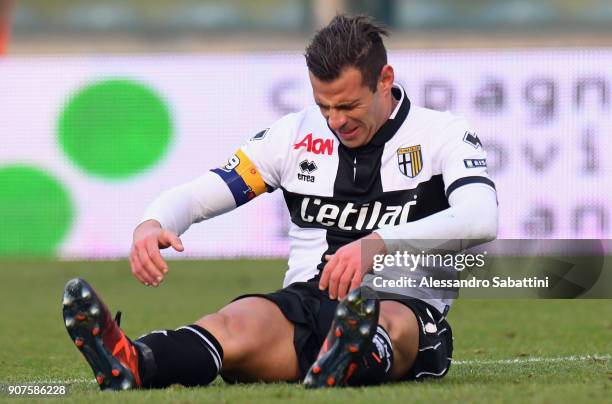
(475, 163)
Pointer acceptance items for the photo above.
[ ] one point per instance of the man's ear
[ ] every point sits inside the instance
(387, 78)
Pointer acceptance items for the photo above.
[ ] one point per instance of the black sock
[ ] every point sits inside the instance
(189, 355)
(374, 367)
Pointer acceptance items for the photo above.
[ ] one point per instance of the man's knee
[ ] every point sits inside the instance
(222, 323)
(231, 328)
(216, 321)
(399, 321)
(246, 326)
(401, 325)
(257, 340)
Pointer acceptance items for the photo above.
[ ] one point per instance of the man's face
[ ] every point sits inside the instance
(351, 109)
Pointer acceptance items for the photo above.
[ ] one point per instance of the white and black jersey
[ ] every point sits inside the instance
(337, 194)
(407, 172)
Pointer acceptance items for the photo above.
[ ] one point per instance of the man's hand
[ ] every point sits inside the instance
(345, 269)
(147, 264)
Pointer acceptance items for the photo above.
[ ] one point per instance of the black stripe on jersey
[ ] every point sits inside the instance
(358, 177)
(475, 179)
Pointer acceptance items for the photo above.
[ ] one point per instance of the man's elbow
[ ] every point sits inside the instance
(489, 233)
(477, 206)
(485, 225)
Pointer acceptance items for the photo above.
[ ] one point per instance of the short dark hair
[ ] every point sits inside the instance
(348, 41)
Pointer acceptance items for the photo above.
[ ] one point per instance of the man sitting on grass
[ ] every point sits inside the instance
(359, 171)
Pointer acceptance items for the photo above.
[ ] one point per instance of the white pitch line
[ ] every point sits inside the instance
(574, 358)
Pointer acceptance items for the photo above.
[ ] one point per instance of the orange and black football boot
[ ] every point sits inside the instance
(351, 333)
(111, 355)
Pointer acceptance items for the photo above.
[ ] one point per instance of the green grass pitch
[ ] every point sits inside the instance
(505, 351)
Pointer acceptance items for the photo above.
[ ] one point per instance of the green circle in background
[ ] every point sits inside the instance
(115, 128)
(36, 212)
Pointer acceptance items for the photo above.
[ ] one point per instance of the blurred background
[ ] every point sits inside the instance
(104, 104)
(207, 25)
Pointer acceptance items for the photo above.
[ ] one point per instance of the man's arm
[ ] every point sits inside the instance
(169, 216)
(458, 154)
(180, 207)
(472, 215)
(254, 169)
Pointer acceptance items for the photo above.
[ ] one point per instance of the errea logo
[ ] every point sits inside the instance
(307, 168)
(316, 146)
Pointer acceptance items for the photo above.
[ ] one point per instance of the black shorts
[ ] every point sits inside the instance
(312, 311)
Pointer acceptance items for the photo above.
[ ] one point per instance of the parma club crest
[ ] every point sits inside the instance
(410, 160)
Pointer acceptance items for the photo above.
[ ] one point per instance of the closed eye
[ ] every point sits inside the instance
(342, 107)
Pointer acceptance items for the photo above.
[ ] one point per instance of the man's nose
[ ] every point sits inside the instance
(336, 119)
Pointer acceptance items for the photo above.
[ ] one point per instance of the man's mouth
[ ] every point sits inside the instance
(348, 133)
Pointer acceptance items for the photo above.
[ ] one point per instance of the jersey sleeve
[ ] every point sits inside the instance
(257, 166)
(461, 157)
(202, 198)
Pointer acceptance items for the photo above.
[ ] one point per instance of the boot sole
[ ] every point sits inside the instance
(355, 324)
(82, 310)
